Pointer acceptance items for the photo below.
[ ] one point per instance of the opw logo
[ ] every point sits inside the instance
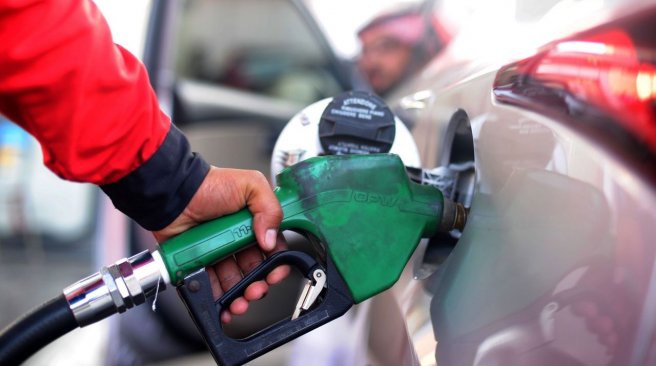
(369, 197)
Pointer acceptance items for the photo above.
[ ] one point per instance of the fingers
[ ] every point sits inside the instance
(277, 275)
(247, 261)
(217, 290)
(256, 291)
(228, 273)
(249, 258)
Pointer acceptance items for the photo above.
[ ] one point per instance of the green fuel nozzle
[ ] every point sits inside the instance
(364, 210)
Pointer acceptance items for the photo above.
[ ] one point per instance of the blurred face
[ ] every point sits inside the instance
(384, 59)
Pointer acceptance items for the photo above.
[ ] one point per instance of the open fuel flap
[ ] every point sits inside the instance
(455, 176)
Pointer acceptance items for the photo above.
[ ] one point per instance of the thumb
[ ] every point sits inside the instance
(267, 214)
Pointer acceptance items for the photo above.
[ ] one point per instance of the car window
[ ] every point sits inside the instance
(264, 47)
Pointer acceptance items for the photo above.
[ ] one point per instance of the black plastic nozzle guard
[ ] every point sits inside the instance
(196, 293)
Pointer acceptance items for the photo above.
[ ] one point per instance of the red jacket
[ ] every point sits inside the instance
(90, 105)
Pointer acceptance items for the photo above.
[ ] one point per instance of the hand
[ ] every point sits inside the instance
(225, 191)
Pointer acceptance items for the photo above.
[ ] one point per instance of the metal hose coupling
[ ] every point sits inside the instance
(116, 288)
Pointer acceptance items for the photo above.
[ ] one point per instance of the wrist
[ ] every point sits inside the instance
(157, 192)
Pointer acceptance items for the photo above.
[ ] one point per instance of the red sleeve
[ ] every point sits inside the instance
(88, 102)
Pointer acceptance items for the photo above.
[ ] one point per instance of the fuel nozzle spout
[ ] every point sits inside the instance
(454, 216)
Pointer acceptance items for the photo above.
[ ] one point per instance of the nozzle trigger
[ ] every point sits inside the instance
(310, 292)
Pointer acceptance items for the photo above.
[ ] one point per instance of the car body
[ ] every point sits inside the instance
(545, 112)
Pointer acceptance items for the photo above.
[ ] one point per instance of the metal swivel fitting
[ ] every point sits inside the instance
(116, 288)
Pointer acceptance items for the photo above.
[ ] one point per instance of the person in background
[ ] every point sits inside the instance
(396, 44)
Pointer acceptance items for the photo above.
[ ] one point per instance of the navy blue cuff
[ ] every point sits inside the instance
(160, 189)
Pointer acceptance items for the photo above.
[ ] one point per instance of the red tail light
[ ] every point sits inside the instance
(605, 73)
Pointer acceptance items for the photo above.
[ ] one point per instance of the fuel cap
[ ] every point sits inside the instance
(357, 122)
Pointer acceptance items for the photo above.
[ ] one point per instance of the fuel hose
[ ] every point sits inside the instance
(114, 289)
(35, 330)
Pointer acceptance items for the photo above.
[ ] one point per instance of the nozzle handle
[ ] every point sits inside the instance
(196, 293)
(206, 244)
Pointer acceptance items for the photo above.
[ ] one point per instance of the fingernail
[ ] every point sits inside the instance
(270, 239)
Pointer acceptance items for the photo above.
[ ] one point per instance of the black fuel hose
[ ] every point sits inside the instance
(35, 330)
